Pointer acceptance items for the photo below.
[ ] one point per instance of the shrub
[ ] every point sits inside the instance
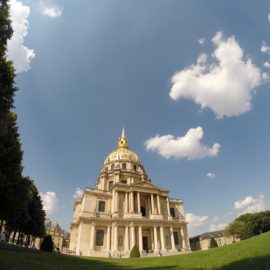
(134, 253)
(213, 243)
(47, 244)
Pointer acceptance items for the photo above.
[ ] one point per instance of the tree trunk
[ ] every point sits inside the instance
(8, 236)
(13, 237)
(1, 224)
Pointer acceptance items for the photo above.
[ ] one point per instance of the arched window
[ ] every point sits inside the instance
(112, 167)
(124, 166)
(135, 168)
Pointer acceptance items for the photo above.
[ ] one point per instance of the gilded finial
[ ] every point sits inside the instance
(123, 141)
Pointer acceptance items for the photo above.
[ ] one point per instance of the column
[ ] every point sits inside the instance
(132, 202)
(158, 204)
(172, 239)
(162, 238)
(138, 202)
(132, 237)
(186, 236)
(140, 239)
(126, 202)
(155, 238)
(152, 204)
(168, 207)
(108, 238)
(115, 246)
(116, 202)
(92, 245)
(126, 238)
(112, 202)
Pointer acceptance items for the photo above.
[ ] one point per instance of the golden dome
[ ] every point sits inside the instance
(122, 152)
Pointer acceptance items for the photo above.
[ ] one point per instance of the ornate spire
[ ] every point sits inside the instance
(123, 141)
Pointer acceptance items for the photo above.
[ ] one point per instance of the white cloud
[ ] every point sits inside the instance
(268, 17)
(49, 201)
(250, 204)
(195, 221)
(211, 175)
(265, 48)
(202, 40)
(217, 227)
(78, 193)
(188, 146)
(226, 86)
(267, 64)
(51, 10)
(17, 52)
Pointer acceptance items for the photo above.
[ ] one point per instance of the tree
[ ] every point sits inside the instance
(47, 244)
(134, 253)
(213, 243)
(10, 147)
(35, 226)
(236, 229)
(248, 225)
(19, 199)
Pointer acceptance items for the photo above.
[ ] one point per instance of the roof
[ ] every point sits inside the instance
(207, 235)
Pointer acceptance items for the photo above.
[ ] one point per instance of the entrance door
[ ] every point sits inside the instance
(145, 243)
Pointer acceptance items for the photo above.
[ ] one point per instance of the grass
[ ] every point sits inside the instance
(252, 254)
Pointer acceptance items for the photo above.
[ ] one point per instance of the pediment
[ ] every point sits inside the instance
(146, 185)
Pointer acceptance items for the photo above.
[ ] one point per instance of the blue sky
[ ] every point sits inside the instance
(187, 79)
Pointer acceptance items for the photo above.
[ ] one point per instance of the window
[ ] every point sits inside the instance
(176, 238)
(99, 237)
(124, 166)
(101, 206)
(135, 168)
(112, 167)
(110, 184)
(123, 181)
(120, 240)
(143, 211)
(172, 211)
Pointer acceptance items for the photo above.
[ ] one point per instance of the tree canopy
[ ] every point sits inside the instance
(21, 206)
(248, 225)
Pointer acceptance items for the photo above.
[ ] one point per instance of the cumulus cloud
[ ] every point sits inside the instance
(78, 193)
(202, 40)
(195, 221)
(267, 64)
(211, 175)
(265, 48)
(51, 10)
(217, 227)
(250, 204)
(225, 85)
(50, 202)
(17, 52)
(186, 147)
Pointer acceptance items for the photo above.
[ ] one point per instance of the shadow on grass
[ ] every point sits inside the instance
(13, 257)
(255, 263)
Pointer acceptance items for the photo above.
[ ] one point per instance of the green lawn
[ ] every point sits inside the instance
(253, 254)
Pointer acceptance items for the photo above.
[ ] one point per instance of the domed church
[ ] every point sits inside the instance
(127, 209)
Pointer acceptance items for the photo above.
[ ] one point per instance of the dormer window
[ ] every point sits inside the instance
(101, 206)
(110, 185)
(135, 168)
(124, 166)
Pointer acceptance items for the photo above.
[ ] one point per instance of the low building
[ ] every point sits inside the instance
(202, 241)
(59, 236)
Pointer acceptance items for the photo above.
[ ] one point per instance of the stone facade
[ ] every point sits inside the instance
(202, 241)
(126, 209)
